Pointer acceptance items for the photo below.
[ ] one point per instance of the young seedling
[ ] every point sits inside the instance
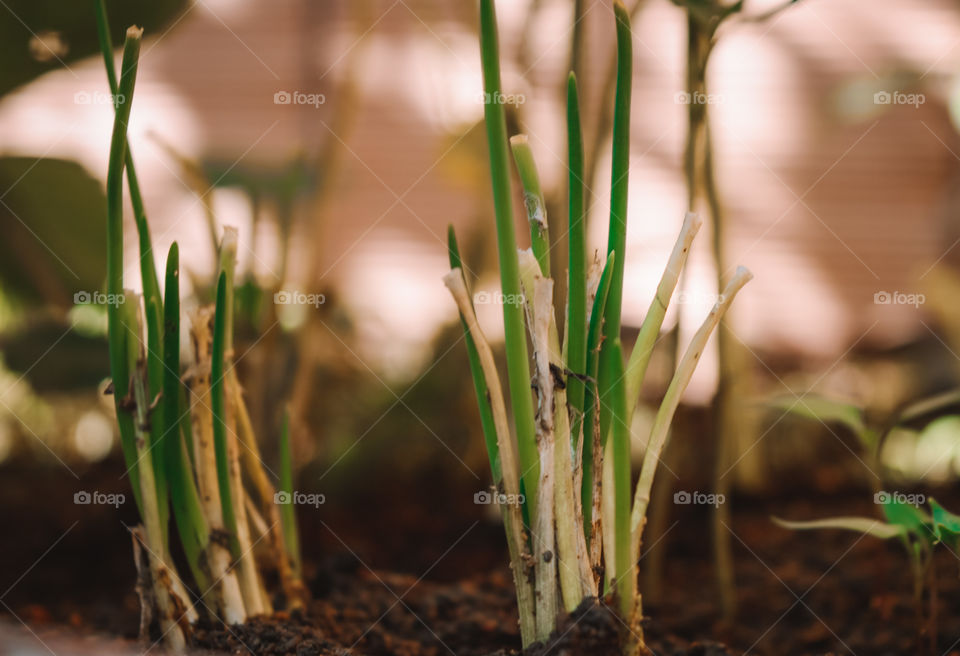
(920, 533)
(181, 432)
(579, 529)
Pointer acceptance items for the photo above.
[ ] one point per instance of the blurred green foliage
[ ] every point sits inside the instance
(52, 211)
(53, 237)
(24, 23)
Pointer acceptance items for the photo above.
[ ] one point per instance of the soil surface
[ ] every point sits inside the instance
(430, 579)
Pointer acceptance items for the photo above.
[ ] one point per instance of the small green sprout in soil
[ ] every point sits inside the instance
(576, 532)
(920, 532)
(186, 435)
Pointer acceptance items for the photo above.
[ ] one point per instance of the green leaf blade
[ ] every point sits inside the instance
(518, 365)
(865, 525)
(576, 325)
(218, 408)
(187, 511)
(619, 187)
(148, 267)
(620, 434)
(157, 416)
(476, 372)
(120, 365)
(533, 201)
(590, 410)
(945, 524)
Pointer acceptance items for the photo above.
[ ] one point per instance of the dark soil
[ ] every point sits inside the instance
(412, 579)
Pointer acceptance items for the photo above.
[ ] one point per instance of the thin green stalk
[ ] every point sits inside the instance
(533, 201)
(600, 131)
(576, 326)
(164, 578)
(186, 426)
(148, 268)
(476, 372)
(187, 511)
(512, 513)
(228, 596)
(106, 43)
(650, 329)
(218, 407)
(518, 365)
(592, 438)
(156, 414)
(609, 385)
(671, 399)
(619, 186)
(287, 514)
(148, 272)
(119, 364)
(608, 516)
(129, 327)
(577, 39)
(626, 577)
(225, 438)
(228, 264)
